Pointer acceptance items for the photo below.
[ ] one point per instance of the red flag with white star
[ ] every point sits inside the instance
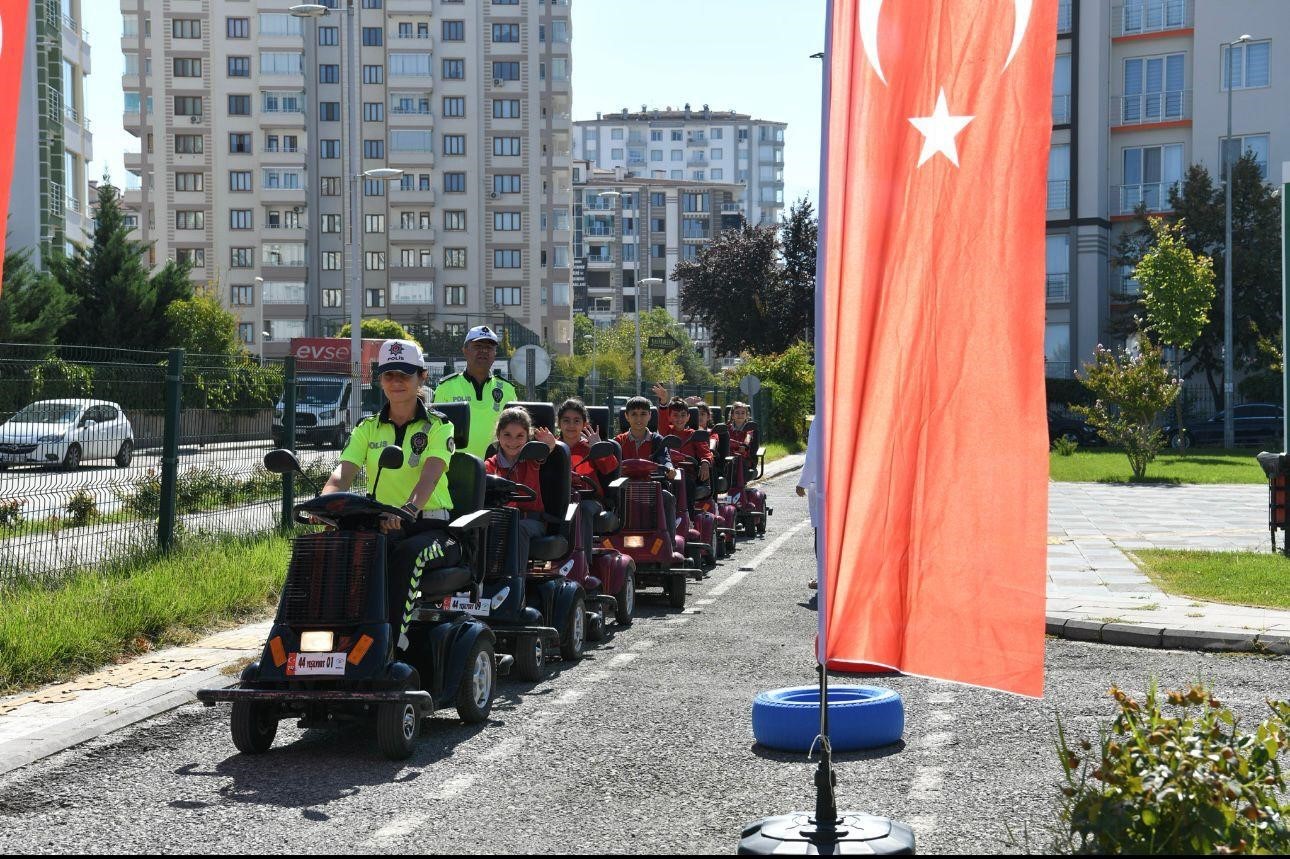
(934, 473)
(13, 38)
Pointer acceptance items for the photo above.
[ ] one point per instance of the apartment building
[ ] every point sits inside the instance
(243, 114)
(49, 199)
(628, 228)
(1141, 91)
(693, 145)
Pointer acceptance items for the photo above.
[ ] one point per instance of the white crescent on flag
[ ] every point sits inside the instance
(871, 10)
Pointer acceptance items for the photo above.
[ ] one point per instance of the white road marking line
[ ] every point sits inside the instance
(936, 741)
(761, 556)
(569, 696)
(504, 749)
(622, 659)
(644, 644)
(941, 717)
(593, 677)
(704, 602)
(404, 826)
(926, 780)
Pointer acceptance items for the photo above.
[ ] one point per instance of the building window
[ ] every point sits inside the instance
(374, 149)
(331, 223)
(411, 292)
(239, 180)
(506, 221)
(329, 111)
(281, 62)
(187, 67)
(454, 70)
(189, 144)
(506, 296)
(373, 187)
(506, 32)
(329, 186)
(246, 333)
(1232, 150)
(190, 181)
(506, 146)
(454, 183)
(506, 108)
(238, 105)
(331, 297)
(239, 219)
(454, 31)
(373, 223)
(508, 71)
(329, 73)
(186, 219)
(237, 28)
(506, 258)
(375, 298)
(1149, 173)
(329, 36)
(186, 28)
(373, 36)
(241, 257)
(454, 257)
(374, 260)
(1246, 66)
(331, 260)
(1154, 89)
(454, 144)
(242, 296)
(374, 74)
(506, 183)
(328, 148)
(454, 220)
(454, 296)
(373, 111)
(454, 106)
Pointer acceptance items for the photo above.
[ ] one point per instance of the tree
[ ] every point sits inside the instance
(1131, 389)
(33, 306)
(790, 379)
(799, 235)
(614, 355)
(201, 325)
(117, 303)
(377, 329)
(735, 287)
(1177, 291)
(1199, 203)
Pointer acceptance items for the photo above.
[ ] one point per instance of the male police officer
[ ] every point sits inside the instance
(477, 386)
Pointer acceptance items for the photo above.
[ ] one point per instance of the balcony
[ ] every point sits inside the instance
(421, 41)
(698, 159)
(696, 140)
(282, 195)
(1126, 198)
(398, 194)
(1061, 110)
(412, 234)
(1150, 108)
(1059, 194)
(1058, 288)
(411, 117)
(1142, 17)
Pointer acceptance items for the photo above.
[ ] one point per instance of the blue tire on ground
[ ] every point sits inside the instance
(860, 717)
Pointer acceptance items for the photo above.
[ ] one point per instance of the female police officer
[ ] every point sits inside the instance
(420, 486)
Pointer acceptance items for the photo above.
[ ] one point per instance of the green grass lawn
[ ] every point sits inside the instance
(90, 618)
(1239, 578)
(1200, 465)
(777, 450)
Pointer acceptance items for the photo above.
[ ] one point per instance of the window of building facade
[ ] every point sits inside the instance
(454, 257)
(454, 219)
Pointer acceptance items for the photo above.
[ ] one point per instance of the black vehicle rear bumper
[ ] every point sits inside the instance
(211, 697)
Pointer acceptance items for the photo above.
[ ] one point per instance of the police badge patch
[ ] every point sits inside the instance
(452, 444)
(419, 442)
(497, 397)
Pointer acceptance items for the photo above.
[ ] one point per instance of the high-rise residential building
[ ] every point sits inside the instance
(243, 114)
(49, 198)
(1141, 91)
(629, 228)
(694, 145)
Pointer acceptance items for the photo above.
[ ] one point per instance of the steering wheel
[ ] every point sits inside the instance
(515, 491)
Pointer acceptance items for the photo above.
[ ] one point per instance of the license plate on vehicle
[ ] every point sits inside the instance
(464, 603)
(306, 664)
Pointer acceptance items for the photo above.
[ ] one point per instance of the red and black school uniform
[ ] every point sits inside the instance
(532, 513)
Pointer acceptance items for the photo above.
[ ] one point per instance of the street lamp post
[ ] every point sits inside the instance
(1229, 426)
(649, 283)
(312, 12)
(259, 288)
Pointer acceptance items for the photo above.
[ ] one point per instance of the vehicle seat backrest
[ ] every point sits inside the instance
(556, 479)
(693, 422)
(606, 479)
(459, 414)
(465, 483)
(722, 433)
(653, 419)
(541, 414)
(599, 416)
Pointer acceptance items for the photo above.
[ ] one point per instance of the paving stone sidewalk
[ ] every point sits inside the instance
(1097, 593)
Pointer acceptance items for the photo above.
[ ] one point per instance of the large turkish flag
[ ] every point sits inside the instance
(935, 470)
(13, 38)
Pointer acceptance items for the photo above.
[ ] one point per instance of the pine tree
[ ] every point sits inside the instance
(33, 305)
(799, 235)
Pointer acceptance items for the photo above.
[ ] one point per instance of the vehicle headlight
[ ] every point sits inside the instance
(317, 641)
(49, 438)
(329, 415)
(634, 542)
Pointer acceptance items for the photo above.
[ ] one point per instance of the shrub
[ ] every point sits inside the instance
(11, 512)
(81, 509)
(1186, 782)
(790, 378)
(1131, 391)
(1064, 446)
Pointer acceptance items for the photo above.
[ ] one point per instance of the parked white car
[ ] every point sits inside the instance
(66, 433)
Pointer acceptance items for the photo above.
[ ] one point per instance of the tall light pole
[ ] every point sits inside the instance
(649, 283)
(259, 288)
(1229, 426)
(312, 12)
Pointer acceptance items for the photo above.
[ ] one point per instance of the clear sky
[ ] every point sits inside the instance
(752, 56)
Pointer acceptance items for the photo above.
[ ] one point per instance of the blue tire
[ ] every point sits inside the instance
(860, 717)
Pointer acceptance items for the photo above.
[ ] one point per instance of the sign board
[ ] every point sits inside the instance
(750, 385)
(665, 342)
(331, 355)
(530, 365)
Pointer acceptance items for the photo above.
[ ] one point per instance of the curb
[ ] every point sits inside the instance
(1145, 635)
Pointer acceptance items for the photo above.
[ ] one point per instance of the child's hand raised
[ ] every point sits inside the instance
(545, 436)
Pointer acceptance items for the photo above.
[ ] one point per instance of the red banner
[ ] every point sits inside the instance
(935, 467)
(13, 38)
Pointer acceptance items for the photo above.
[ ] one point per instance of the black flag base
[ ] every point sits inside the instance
(826, 833)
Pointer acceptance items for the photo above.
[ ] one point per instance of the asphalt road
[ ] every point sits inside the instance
(645, 746)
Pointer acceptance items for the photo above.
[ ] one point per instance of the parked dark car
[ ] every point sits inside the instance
(1253, 424)
(1062, 426)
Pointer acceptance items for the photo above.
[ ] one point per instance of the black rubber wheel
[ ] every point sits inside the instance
(397, 725)
(596, 626)
(254, 725)
(125, 454)
(574, 640)
(676, 591)
(626, 607)
(530, 659)
(478, 683)
(761, 525)
(72, 460)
